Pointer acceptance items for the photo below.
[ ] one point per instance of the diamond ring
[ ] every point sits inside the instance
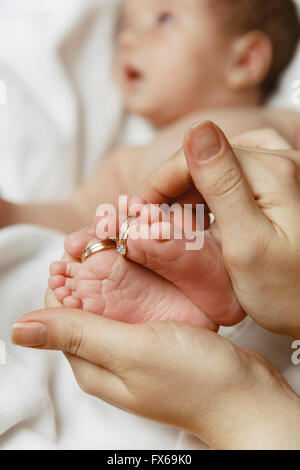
(122, 240)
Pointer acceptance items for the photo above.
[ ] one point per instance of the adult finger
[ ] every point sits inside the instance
(88, 336)
(263, 139)
(172, 181)
(218, 176)
(100, 382)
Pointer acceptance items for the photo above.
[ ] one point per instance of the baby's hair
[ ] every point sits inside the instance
(278, 19)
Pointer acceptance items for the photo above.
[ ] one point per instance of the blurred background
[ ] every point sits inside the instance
(61, 105)
(62, 108)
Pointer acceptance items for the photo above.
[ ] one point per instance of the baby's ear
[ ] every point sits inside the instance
(250, 61)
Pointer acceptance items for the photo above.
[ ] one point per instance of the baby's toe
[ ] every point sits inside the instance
(55, 282)
(72, 302)
(71, 269)
(58, 268)
(61, 293)
(107, 224)
(106, 227)
(76, 243)
(70, 283)
(155, 246)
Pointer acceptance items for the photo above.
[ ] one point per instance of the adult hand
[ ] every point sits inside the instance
(255, 197)
(175, 374)
(261, 139)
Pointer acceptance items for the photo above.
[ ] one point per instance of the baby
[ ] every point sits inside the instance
(174, 58)
(180, 62)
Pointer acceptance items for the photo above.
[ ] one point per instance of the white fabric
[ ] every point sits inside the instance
(62, 113)
(62, 107)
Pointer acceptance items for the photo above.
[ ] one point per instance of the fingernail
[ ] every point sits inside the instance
(205, 141)
(30, 334)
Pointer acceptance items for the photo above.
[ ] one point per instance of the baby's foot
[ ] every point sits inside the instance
(107, 284)
(201, 274)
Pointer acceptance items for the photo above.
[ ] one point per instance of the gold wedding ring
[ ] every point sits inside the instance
(101, 245)
(123, 237)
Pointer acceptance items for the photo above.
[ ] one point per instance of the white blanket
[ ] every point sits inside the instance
(62, 112)
(62, 108)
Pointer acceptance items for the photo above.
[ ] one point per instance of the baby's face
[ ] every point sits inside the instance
(170, 57)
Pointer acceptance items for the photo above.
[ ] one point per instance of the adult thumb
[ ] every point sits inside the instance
(93, 338)
(218, 176)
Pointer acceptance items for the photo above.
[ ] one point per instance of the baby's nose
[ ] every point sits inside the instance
(128, 40)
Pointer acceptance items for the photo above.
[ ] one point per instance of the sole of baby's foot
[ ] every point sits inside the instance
(200, 274)
(109, 285)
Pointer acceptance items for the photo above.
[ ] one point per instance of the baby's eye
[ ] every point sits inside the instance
(165, 18)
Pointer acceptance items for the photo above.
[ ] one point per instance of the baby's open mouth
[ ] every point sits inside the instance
(132, 74)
